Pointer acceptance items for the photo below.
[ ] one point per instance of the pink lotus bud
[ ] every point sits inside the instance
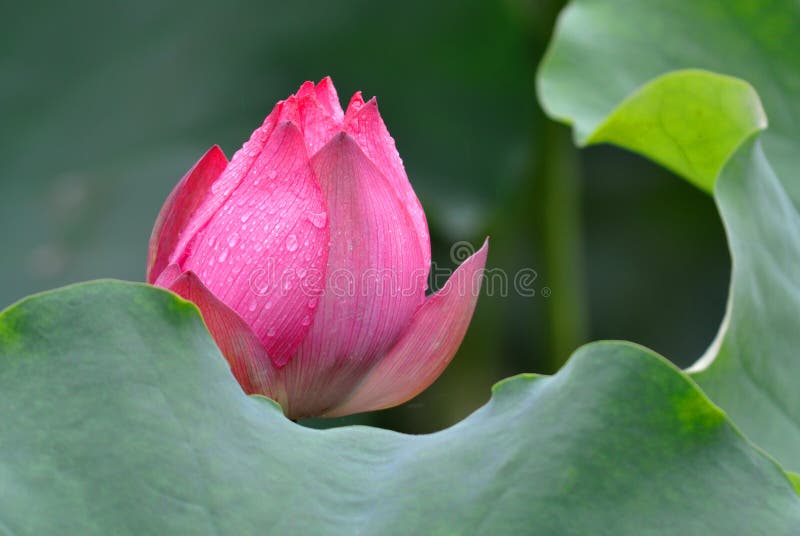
(308, 255)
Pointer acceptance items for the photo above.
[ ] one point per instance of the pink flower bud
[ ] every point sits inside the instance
(308, 255)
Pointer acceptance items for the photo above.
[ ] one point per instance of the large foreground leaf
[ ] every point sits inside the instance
(120, 416)
(605, 74)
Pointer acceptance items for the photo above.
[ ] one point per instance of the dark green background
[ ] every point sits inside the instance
(104, 105)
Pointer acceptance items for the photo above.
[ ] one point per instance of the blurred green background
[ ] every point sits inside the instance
(104, 106)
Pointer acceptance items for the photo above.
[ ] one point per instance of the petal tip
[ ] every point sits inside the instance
(307, 88)
(288, 125)
(216, 152)
(355, 104)
(179, 207)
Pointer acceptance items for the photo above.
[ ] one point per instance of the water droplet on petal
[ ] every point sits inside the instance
(291, 243)
(234, 238)
(318, 219)
(271, 332)
(253, 306)
(306, 320)
(224, 255)
(245, 217)
(312, 303)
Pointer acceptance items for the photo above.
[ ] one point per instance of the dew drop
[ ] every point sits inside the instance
(291, 243)
(306, 320)
(271, 332)
(272, 174)
(245, 217)
(224, 255)
(253, 306)
(318, 219)
(312, 303)
(232, 241)
(287, 285)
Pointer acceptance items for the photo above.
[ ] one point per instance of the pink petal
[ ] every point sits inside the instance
(318, 120)
(355, 104)
(307, 88)
(375, 280)
(221, 189)
(241, 347)
(329, 99)
(426, 347)
(264, 252)
(168, 276)
(364, 123)
(179, 208)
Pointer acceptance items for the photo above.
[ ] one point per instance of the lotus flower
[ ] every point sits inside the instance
(308, 255)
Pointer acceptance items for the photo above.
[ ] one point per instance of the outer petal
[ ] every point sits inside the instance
(238, 168)
(241, 347)
(364, 123)
(375, 280)
(168, 276)
(264, 252)
(426, 347)
(179, 208)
